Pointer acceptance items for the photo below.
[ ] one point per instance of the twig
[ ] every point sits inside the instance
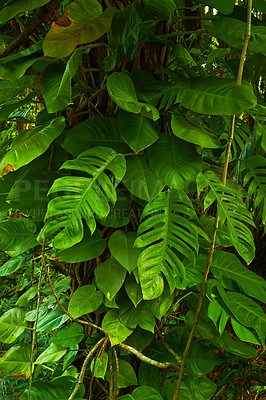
(111, 376)
(34, 334)
(216, 223)
(166, 345)
(84, 366)
(148, 360)
(117, 371)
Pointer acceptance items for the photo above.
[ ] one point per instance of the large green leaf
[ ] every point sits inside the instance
(140, 179)
(95, 131)
(126, 374)
(19, 6)
(82, 22)
(133, 290)
(99, 366)
(233, 31)
(216, 96)
(117, 331)
(246, 311)
(52, 320)
(121, 248)
(24, 299)
(86, 197)
(260, 5)
(174, 161)
(192, 388)
(31, 143)
(14, 66)
(147, 393)
(230, 272)
(11, 88)
(8, 108)
(89, 248)
(254, 172)
(13, 265)
(170, 237)
(12, 324)
(224, 6)
(110, 276)
(138, 131)
(200, 360)
(56, 80)
(119, 214)
(121, 89)
(84, 301)
(141, 315)
(231, 209)
(69, 335)
(58, 388)
(52, 354)
(185, 130)
(16, 361)
(17, 235)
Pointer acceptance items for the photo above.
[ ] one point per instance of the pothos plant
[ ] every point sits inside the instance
(132, 198)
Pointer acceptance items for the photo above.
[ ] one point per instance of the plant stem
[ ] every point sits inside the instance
(147, 359)
(216, 223)
(84, 366)
(34, 334)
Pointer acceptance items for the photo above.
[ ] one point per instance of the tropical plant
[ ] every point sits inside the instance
(132, 198)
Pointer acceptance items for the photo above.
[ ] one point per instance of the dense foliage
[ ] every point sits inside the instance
(119, 186)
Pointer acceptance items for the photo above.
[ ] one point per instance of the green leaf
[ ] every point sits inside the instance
(13, 265)
(215, 96)
(89, 248)
(260, 5)
(121, 89)
(254, 172)
(185, 130)
(9, 107)
(52, 354)
(18, 7)
(224, 6)
(118, 215)
(200, 360)
(126, 374)
(95, 131)
(232, 210)
(233, 31)
(110, 276)
(12, 324)
(117, 331)
(121, 248)
(140, 179)
(230, 272)
(246, 311)
(138, 131)
(99, 366)
(200, 388)
(159, 9)
(16, 361)
(148, 375)
(169, 388)
(217, 53)
(56, 79)
(170, 236)
(14, 66)
(163, 302)
(167, 158)
(53, 320)
(85, 197)
(32, 143)
(84, 301)
(70, 356)
(69, 335)
(184, 55)
(58, 388)
(147, 393)
(243, 333)
(27, 296)
(142, 315)
(133, 290)
(82, 22)
(17, 236)
(10, 89)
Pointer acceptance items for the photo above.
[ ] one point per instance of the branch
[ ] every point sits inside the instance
(148, 360)
(47, 14)
(84, 367)
(216, 223)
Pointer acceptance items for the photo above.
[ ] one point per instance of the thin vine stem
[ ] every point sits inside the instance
(34, 333)
(216, 223)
